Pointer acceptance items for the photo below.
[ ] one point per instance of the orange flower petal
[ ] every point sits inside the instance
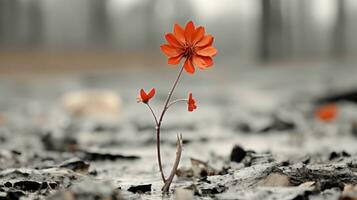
(169, 50)
(146, 97)
(151, 93)
(175, 60)
(205, 41)
(189, 31)
(189, 67)
(143, 96)
(171, 39)
(198, 35)
(208, 51)
(202, 62)
(179, 33)
(191, 103)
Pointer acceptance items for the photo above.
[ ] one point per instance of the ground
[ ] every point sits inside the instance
(254, 135)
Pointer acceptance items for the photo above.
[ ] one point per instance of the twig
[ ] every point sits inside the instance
(168, 182)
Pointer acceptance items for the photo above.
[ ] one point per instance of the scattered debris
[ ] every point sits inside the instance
(350, 95)
(9, 159)
(334, 155)
(198, 169)
(98, 156)
(326, 175)
(253, 158)
(76, 165)
(140, 188)
(279, 124)
(62, 143)
(88, 189)
(213, 190)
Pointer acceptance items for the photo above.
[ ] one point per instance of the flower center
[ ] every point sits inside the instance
(189, 50)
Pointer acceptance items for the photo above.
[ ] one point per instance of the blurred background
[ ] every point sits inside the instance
(70, 72)
(53, 35)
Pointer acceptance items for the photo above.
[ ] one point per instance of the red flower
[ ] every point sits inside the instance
(144, 97)
(327, 112)
(192, 44)
(191, 102)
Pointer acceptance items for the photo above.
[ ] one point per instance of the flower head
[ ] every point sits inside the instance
(191, 102)
(327, 112)
(145, 97)
(191, 44)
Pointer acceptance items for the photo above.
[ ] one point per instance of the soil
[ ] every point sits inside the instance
(254, 136)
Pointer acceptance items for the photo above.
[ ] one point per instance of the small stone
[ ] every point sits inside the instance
(140, 188)
(98, 104)
(237, 154)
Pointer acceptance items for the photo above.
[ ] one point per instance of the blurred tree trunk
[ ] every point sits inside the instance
(3, 17)
(264, 53)
(99, 24)
(270, 41)
(9, 17)
(34, 35)
(339, 31)
(150, 23)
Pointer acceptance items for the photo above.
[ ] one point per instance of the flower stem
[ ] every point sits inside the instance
(176, 101)
(170, 94)
(153, 114)
(158, 127)
(168, 182)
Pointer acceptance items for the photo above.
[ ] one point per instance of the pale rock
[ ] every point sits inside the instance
(183, 194)
(275, 180)
(97, 104)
